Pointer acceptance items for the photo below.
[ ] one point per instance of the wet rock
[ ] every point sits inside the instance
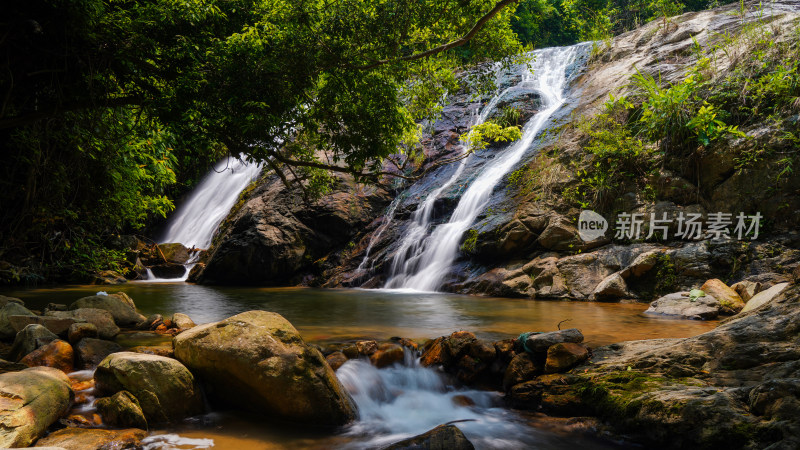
(542, 341)
(57, 354)
(463, 400)
(440, 438)
(459, 343)
(11, 308)
(120, 308)
(90, 352)
(747, 289)
(158, 350)
(165, 389)
(564, 356)
(366, 348)
(29, 339)
(612, 287)
(482, 350)
(32, 400)
(151, 322)
(764, 297)
(174, 253)
(182, 321)
(520, 369)
(680, 305)
(101, 319)
(267, 357)
(121, 410)
(80, 330)
(729, 300)
(336, 359)
(57, 325)
(435, 353)
(93, 438)
(386, 355)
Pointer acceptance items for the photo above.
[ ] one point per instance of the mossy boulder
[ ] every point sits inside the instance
(121, 410)
(29, 339)
(165, 389)
(101, 319)
(258, 361)
(30, 401)
(7, 331)
(120, 306)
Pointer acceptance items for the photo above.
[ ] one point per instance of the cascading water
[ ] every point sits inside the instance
(196, 220)
(423, 260)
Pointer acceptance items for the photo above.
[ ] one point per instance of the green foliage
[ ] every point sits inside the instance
(666, 277)
(470, 241)
(481, 136)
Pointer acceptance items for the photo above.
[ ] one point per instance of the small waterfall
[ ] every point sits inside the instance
(423, 259)
(194, 223)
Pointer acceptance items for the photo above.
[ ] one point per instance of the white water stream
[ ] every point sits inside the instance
(424, 257)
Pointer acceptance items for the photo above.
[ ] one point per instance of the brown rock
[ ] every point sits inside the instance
(435, 354)
(458, 343)
(78, 331)
(160, 350)
(57, 354)
(336, 359)
(564, 356)
(56, 325)
(86, 438)
(366, 348)
(440, 438)
(747, 289)
(386, 355)
(463, 400)
(91, 351)
(351, 351)
(729, 300)
(542, 341)
(121, 410)
(520, 369)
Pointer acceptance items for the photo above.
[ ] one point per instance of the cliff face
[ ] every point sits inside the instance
(525, 243)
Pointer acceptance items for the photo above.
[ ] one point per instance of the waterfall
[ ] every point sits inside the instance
(194, 223)
(425, 257)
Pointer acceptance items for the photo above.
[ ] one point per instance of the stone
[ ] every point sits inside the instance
(564, 356)
(29, 339)
(679, 304)
(560, 234)
(9, 366)
(80, 330)
(55, 307)
(641, 264)
(458, 343)
(174, 253)
(520, 369)
(165, 389)
(764, 297)
(121, 410)
(182, 321)
(336, 360)
(160, 350)
(119, 306)
(32, 400)
(276, 373)
(93, 438)
(728, 299)
(542, 341)
(366, 348)
(612, 287)
(747, 289)
(443, 437)
(4, 300)
(57, 354)
(101, 319)
(386, 355)
(435, 353)
(57, 325)
(152, 321)
(7, 331)
(90, 352)
(483, 350)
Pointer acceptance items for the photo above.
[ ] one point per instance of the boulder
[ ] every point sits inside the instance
(55, 307)
(80, 330)
(386, 355)
(160, 350)
(119, 306)
(257, 360)
(435, 353)
(747, 289)
(443, 437)
(121, 410)
(9, 366)
(5, 300)
(679, 304)
(29, 339)
(90, 352)
(57, 325)
(520, 369)
(542, 341)
(560, 234)
(174, 253)
(165, 389)
(103, 320)
(336, 360)
(764, 297)
(93, 438)
(7, 331)
(57, 354)
(32, 400)
(366, 348)
(564, 356)
(612, 287)
(729, 300)
(182, 321)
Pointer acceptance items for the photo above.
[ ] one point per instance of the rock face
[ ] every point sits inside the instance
(257, 360)
(101, 319)
(121, 308)
(680, 305)
(85, 438)
(443, 437)
(165, 389)
(121, 410)
(32, 400)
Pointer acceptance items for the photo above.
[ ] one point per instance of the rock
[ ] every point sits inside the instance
(8, 366)
(728, 299)
(612, 287)
(159, 350)
(366, 348)
(55, 307)
(764, 297)
(443, 437)
(57, 325)
(747, 289)
(57, 354)
(93, 438)
(174, 253)
(520, 369)
(101, 319)
(275, 371)
(435, 353)
(121, 410)
(336, 359)
(80, 330)
(542, 341)
(32, 400)
(108, 277)
(483, 350)
(564, 356)
(7, 331)
(5, 300)
(151, 322)
(182, 321)
(168, 270)
(119, 306)
(459, 343)
(641, 265)
(560, 234)
(29, 339)
(90, 352)
(386, 355)
(165, 389)
(680, 305)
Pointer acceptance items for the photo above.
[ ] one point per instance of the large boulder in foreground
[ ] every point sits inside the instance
(119, 305)
(443, 437)
(165, 389)
(258, 361)
(30, 401)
